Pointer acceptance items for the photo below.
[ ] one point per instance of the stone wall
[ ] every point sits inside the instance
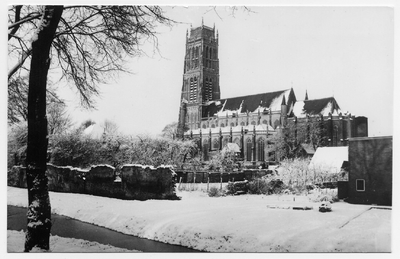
(145, 182)
(66, 179)
(137, 182)
(17, 177)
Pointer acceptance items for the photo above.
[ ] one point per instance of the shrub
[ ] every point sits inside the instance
(266, 186)
(214, 192)
(237, 187)
(258, 186)
(320, 197)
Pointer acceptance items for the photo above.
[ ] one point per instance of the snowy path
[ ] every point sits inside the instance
(231, 224)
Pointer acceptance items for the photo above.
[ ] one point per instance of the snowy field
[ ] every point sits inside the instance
(16, 239)
(246, 223)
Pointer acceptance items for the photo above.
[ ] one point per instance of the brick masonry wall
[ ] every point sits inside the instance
(370, 160)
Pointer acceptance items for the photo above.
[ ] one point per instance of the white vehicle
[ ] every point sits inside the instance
(325, 206)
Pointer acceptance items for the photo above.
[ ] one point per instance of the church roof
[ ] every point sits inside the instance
(322, 106)
(248, 103)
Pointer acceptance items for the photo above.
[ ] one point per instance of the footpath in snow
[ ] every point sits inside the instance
(246, 223)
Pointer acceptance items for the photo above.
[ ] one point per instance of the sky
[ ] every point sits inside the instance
(345, 52)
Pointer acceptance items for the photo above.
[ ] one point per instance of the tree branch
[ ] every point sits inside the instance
(24, 56)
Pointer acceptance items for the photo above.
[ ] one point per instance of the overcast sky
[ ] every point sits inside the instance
(345, 52)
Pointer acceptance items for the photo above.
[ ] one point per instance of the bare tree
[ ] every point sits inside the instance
(170, 130)
(110, 127)
(88, 44)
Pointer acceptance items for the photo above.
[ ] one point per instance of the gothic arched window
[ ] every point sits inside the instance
(248, 149)
(191, 90)
(335, 136)
(205, 150)
(215, 144)
(260, 150)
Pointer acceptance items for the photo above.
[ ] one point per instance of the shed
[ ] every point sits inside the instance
(329, 159)
(371, 170)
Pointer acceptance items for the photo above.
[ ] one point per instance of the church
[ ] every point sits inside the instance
(249, 121)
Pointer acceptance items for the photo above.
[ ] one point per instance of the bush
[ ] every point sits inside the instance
(237, 187)
(214, 192)
(320, 196)
(258, 186)
(266, 186)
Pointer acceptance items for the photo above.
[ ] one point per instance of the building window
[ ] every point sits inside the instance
(204, 126)
(215, 144)
(222, 125)
(260, 149)
(248, 149)
(225, 141)
(335, 136)
(360, 185)
(264, 122)
(205, 150)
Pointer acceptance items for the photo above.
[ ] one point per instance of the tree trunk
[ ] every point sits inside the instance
(38, 216)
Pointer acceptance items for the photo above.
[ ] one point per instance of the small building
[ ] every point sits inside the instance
(329, 159)
(370, 170)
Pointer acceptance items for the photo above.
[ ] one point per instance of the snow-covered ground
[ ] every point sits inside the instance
(246, 223)
(16, 239)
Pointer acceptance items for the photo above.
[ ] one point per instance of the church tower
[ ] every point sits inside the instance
(200, 76)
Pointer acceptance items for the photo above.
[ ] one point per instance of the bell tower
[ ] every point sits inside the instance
(200, 76)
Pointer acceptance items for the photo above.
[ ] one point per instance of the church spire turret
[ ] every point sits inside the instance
(306, 98)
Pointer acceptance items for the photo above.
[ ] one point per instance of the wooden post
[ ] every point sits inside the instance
(180, 181)
(194, 180)
(208, 183)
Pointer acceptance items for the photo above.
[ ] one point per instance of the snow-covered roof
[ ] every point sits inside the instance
(322, 106)
(329, 159)
(94, 131)
(251, 103)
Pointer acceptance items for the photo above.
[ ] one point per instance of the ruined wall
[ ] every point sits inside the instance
(65, 179)
(137, 182)
(145, 182)
(17, 177)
